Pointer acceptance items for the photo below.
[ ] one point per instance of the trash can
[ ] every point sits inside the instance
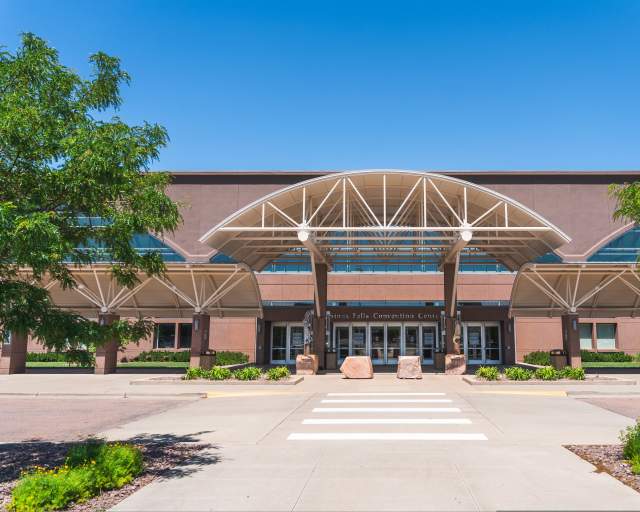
(208, 359)
(558, 358)
(438, 361)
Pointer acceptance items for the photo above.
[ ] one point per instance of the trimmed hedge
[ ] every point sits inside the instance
(605, 357)
(226, 358)
(163, 356)
(83, 358)
(538, 357)
(89, 469)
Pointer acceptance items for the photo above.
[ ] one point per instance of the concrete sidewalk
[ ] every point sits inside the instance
(276, 455)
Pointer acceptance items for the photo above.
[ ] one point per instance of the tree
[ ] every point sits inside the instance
(74, 189)
(627, 198)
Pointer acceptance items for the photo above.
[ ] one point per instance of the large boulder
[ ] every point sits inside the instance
(409, 367)
(455, 364)
(357, 367)
(306, 364)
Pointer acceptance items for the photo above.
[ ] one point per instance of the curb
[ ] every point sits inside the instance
(106, 395)
(172, 381)
(598, 381)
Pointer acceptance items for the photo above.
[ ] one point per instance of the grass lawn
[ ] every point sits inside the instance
(631, 364)
(134, 364)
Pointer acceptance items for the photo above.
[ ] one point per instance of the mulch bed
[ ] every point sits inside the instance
(607, 458)
(164, 456)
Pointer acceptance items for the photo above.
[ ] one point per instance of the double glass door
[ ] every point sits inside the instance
(287, 341)
(482, 342)
(385, 342)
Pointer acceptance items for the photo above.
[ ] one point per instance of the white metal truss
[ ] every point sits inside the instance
(379, 217)
(587, 289)
(183, 290)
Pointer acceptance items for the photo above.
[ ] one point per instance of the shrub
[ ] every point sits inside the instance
(195, 373)
(547, 373)
(227, 358)
(162, 356)
(280, 372)
(572, 373)
(605, 357)
(630, 439)
(219, 373)
(488, 373)
(538, 357)
(248, 373)
(89, 469)
(78, 357)
(517, 373)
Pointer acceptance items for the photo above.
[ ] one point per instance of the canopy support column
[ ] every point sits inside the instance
(320, 283)
(454, 361)
(107, 354)
(571, 339)
(199, 338)
(13, 354)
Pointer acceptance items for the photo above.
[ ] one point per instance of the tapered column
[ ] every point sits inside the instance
(13, 353)
(107, 354)
(199, 338)
(320, 311)
(571, 339)
(452, 329)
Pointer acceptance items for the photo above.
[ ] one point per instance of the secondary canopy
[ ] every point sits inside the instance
(379, 217)
(587, 289)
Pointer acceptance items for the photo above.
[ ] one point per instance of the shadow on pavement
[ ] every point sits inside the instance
(165, 455)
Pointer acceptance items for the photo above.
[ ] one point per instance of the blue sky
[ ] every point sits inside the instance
(347, 85)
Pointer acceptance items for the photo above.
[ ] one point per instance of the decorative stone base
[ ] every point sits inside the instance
(455, 364)
(306, 364)
(357, 367)
(409, 367)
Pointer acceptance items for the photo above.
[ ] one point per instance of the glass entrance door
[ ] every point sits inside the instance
(376, 337)
(429, 336)
(358, 340)
(341, 337)
(473, 343)
(287, 341)
(411, 340)
(394, 342)
(482, 342)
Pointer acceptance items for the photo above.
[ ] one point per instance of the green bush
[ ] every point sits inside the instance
(488, 373)
(162, 356)
(83, 358)
(572, 373)
(539, 358)
(280, 372)
(605, 357)
(227, 358)
(46, 357)
(219, 373)
(518, 373)
(248, 373)
(195, 373)
(630, 439)
(89, 469)
(547, 373)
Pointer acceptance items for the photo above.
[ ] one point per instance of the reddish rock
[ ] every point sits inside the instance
(357, 367)
(455, 364)
(409, 367)
(306, 364)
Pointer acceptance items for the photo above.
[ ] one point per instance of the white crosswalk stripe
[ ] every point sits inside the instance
(397, 419)
(388, 401)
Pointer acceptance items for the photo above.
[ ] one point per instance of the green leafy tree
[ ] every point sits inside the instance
(74, 189)
(627, 197)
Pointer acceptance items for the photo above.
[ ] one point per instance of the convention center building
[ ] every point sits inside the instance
(388, 263)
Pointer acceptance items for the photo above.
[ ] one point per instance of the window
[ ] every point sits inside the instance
(586, 336)
(606, 336)
(184, 335)
(170, 335)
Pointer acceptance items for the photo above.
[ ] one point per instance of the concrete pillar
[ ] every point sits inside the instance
(451, 324)
(320, 282)
(199, 338)
(509, 341)
(13, 354)
(107, 354)
(571, 339)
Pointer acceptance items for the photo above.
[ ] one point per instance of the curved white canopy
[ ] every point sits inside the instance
(385, 216)
(599, 290)
(185, 289)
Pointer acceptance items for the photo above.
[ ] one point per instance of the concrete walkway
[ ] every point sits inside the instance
(333, 444)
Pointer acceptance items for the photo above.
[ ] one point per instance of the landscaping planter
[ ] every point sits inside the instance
(173, 380)
(589, 381)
